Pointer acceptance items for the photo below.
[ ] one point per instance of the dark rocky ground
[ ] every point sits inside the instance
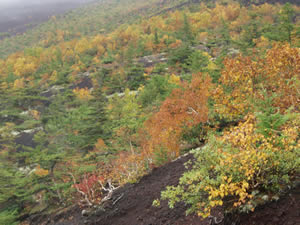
(132, 205)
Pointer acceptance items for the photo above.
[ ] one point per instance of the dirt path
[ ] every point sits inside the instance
(132, 205)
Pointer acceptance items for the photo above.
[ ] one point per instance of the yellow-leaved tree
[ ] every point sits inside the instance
(253, 162)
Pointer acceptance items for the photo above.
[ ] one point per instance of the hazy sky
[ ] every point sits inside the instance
(18, 3)
(9, 2)
(16, 13)
(28, 2)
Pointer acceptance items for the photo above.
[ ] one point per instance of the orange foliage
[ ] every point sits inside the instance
(40, 171)
(176, 44)
(186, 107)
(246, 78)
(128, 167)
(100, 145)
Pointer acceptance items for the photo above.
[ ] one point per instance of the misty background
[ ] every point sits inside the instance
(16, 16)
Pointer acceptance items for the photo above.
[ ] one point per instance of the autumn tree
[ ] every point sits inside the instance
(184, 108)
(243, 79)
(253, 162)
(239, 165)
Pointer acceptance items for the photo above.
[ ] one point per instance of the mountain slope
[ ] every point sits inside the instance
(132, 205)
(101, 16)
(83, 114)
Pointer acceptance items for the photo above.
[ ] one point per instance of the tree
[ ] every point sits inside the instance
(125, 114)
(197, 62)
(250, 33)
(184, 108)
(251, 163)
(71, 129)
(187, 34)
(243, 79)
(286, 19)
(156, 38)
(282, 31)
(155, 91)
(135, 77)
(180, 55)
(17, 183)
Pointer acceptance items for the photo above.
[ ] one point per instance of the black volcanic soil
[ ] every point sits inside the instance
(133, 206)
(286, 211)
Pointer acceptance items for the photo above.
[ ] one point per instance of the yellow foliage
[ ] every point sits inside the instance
(82, 45)
(36, 114)
(19, 83)
(83, 93)
(40, 171)
(53, 76)
(24, 66)
(245, 156)
(262, 42)
(202, 37)
(174, 79)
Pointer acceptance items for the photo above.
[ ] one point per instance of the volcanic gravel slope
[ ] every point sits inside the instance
(132, 205)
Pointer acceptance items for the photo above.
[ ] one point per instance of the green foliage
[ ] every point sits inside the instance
(126, 117)
(282, 31)
(135, 77)
(270, 120)
(187, 34)
(107, 60)
(156, 38)
(9, 217)
(82, 131)
(155, 91)
(180, 55)
(251, 33)
(160, 69)
(161, 156)
(196, 62)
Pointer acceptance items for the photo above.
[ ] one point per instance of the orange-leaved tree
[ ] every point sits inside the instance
(184, 108)
(244, 78)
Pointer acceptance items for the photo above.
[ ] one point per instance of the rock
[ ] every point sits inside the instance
(26, 170)
(201, 47)
(85, 212)
(122, 94)
(151, 60)
(25, 139)
(52, 91)
(233, 52)
(85, 82)
(99, 211)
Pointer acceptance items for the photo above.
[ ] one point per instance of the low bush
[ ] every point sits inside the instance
(240, 169)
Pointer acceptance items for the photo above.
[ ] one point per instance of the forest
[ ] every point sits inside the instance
(99, 97)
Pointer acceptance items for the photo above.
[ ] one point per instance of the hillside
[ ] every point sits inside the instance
(94, 18)
(126, 207)
(96, 108)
